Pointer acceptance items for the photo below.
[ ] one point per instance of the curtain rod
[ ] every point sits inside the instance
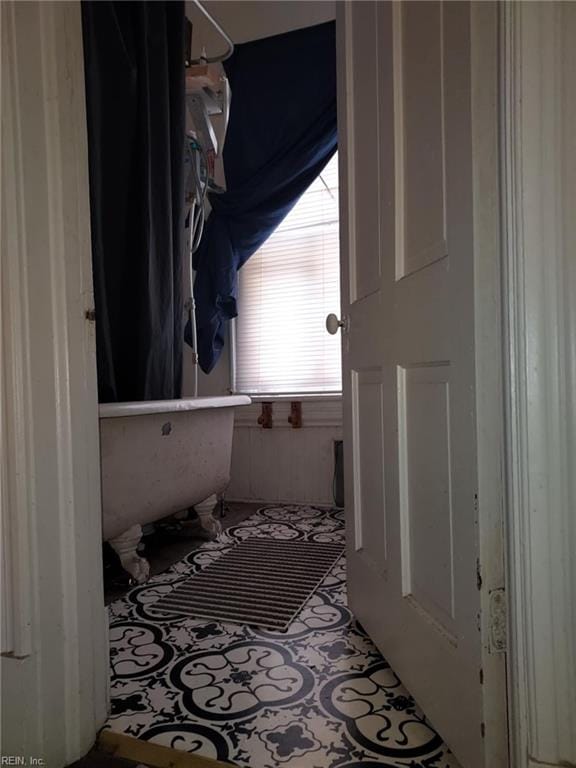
(212, 20)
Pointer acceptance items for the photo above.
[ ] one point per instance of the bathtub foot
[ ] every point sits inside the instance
(204, 510)
(125, 547)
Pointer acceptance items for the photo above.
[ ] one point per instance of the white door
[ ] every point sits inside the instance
(408, 297)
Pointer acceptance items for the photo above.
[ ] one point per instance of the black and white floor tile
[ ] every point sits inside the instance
(318, 696)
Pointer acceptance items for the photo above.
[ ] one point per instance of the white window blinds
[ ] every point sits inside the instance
(285, 292)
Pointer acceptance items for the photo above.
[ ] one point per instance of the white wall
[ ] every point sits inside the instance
(279, 464)
(285, 464)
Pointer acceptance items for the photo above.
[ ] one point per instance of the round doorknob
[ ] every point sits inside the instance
(333, 324)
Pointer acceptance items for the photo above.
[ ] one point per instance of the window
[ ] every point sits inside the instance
(285, 292)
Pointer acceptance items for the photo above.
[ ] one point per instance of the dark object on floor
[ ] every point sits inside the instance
(260, 582)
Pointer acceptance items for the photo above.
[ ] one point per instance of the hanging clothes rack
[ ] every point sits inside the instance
(207, 94)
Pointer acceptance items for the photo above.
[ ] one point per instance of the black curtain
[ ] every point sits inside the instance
(134, 63)
(281, 134)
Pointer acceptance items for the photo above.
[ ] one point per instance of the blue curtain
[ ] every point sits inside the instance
(281, 134)
(135, 97)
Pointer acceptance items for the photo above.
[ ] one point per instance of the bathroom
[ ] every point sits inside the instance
(270, 463)
(312, 228)
(302, 518)
(222, 457)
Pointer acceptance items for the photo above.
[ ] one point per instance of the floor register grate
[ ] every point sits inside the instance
(260, 582)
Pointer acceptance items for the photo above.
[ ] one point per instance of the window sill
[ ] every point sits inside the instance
(317, 411)
(309, 398)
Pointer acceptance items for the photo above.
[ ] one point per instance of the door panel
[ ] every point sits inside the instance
(419, 112)
(408, 352)
(426, 490)
(365, 270)
(368, 412)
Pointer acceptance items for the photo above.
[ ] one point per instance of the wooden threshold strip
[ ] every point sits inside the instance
(152, 755)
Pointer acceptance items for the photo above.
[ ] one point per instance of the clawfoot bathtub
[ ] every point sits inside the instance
(159, 458)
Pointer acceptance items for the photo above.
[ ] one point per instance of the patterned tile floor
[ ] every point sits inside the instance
(318, 696)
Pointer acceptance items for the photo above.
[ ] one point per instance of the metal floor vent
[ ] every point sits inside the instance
(261, 582)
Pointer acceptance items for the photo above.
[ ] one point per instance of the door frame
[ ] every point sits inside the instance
(538, 68)
(51, 490)
(488, 326)
(54, 664)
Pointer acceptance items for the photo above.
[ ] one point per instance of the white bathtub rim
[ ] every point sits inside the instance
(116, 410)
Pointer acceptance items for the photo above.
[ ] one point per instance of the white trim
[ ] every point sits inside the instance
(232, 353)
(317, 413)
(317, 398)
(16, 438)
(115, 410)
(56, 676)
(399, 140)
(539, 68)
(537, 764)
(489, 374)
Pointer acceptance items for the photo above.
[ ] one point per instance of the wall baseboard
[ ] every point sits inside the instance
(267, 502)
